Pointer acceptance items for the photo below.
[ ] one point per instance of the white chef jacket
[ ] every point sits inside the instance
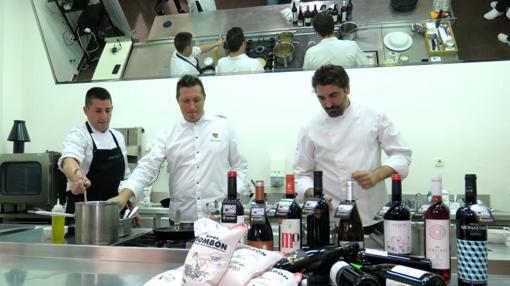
(241, 63)
(336, 52)
(78, 145)
(179, 67)
(351, 142)
(199, 156)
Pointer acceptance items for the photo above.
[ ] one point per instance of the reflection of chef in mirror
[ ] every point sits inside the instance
(199, 148)
(94, 155)
(237, 61)
(184, 59)
(331, 50)
(345, 141)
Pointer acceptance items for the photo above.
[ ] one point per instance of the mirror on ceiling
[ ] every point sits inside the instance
(89, 40)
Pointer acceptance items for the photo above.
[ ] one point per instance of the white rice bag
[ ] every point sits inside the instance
(169, 278)
(210, 255)
(248, 262)
(276, 277)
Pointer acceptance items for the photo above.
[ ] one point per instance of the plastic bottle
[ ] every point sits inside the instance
(57, 224)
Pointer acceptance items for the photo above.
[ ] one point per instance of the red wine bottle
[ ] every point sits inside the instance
(343, 274)
(349, 11)
(437, 231)
(260, 234)
(373, 256)
(308, 16)
(301, 18)
(471, 240)
(317, 215)
(350, 227)
(343, 12)
(232, 211)
(294, 13)
(390, 274)
(314, 11)
(397, 221)
(289, 213)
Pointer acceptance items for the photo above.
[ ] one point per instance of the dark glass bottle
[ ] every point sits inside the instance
(349, 11)
(390, 273)
(315, 11)
(397, 221)
(343, 12)
(232, 211)
(318, 220)
(260, 234)
(289, 213)
(308, 16)
(437, 231)
(294, 13)
(316, 260)
(373, 256)
(301, 18)
(350, 227)
(471, 240)
(334, 14)
(343, 274)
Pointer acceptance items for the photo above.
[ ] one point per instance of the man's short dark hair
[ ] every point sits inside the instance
(188, 81)
(330, 74)
(235, 38)
(182, 40)
(97, 93)
(323, 24)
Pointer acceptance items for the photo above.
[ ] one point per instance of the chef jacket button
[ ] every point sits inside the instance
(198, 183)
(198, 167)
(198, 199)
(196, 137)
(198, 152)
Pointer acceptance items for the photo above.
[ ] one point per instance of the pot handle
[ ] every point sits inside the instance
(46, 213)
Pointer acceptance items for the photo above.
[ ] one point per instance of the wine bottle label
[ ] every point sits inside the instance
(397, 236)
(344, 210)
(472, 261)
(416, 273)
(229, 214)
(335, 18)
(309, 206)
(290, 235)
(267, 245)
(283, 207)
(376, 252)
(483, 214)
(308, 20)
(437, 242)
(258, 215)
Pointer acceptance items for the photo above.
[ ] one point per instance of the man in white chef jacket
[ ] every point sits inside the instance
(237, 61)
(331, 50)
(200, 148)
(345, 141)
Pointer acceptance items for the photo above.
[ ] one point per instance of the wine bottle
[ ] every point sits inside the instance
(315, 11)
(317, 215)
(316, 260)
(232, 211)
(373, 256)
(260, 234)
(289, 213)
(397, 221)
(390, 274)
(334, 14)
(343, 274)
(308, 16)
(350, 227)
(301, 18)
(349, 11)
(343, 12)
(471, 240)
(294, 13)
(437, 231)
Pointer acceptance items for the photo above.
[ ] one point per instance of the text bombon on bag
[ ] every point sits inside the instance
(210, 255)
(276, 277)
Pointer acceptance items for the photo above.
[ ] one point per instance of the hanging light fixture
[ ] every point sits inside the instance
(19, 135)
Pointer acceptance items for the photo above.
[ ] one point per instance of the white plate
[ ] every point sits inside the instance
(404, 38)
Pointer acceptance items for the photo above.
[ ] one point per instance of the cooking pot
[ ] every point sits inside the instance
(175, 232)
(125, 226)
(285, 37)
(96, 222)
(284, 53)
(347, 31)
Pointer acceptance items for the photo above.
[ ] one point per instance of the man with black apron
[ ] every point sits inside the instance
(94, 156)
(184, 59)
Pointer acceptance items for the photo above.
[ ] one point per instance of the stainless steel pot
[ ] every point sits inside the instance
(347, 30)
(125, 226)
(96, 222)
(284, 53)
(285, 37)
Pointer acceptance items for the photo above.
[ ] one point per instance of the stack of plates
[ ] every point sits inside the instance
(398, 41)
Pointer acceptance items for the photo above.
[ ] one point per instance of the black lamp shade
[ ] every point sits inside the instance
(19, 135)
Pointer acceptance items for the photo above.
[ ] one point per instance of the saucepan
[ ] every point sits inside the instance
(285, 37)
(347, 30)
(284, 53)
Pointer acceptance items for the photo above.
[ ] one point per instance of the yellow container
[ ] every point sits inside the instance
(57, 224)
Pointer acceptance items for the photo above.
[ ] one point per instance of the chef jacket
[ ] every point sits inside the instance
(336, 52)
(78, 145)
(241, 63)
(351, 142)
(180, 67)
(199, 155)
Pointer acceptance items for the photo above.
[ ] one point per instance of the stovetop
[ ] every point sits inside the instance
(262, 47)
(150, 240)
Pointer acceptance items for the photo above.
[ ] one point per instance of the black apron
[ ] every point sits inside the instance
(106, 171)
(199, 69)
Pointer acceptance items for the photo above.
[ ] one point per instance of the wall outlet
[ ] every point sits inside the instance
(439, 162)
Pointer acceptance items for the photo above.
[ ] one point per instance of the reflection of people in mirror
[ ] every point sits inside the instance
(345, 142)
(331, 50)
(237, 61)
(498, 9)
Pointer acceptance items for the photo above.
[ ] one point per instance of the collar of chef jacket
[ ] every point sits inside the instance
(94, 130)
(205, 117)
(347, 112)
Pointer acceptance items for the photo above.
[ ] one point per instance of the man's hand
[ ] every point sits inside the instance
(80, 184)
(365, 179)
(122, 198)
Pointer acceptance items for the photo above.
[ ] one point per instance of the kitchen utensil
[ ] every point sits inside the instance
(125, 226)
(96, 222)
(285, 37)
(397, 41)
(284, 53)
(347, 30)
(126, 213)
(133, 212)
(51, 213)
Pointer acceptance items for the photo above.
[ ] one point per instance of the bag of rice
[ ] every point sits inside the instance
(210, 255)
(248, 262)
(276, 277)
(169, 278)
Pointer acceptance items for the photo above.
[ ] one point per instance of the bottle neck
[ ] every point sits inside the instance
(259, 195)
(232, 188)
(437, 189)
(290, 192)
(317, 184)
(396, 190)
(350, 191)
